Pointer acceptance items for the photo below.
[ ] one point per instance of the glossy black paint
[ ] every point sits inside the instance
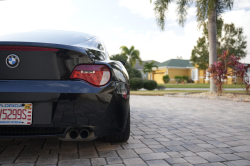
(77, 41)
(69, 38)
(43, 79)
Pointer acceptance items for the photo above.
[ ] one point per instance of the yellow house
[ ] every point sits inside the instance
(181, 67)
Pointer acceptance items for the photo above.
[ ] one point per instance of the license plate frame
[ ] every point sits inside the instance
(16, 113)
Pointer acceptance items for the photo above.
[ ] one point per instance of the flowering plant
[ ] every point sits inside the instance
(239, 70)
(219, 71)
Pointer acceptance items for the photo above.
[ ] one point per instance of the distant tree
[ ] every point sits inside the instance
(228, 36)
(148, 68)
(132, 55)
(132, 72)
(119, 57)
(234, 41)
(206, 10)
(200, 55)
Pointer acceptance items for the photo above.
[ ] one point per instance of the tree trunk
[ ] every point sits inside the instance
(150, 75)
(212, 37)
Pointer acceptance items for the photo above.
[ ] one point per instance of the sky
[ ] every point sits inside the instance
(118, 23)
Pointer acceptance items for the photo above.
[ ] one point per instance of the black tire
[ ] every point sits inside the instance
(120, 137)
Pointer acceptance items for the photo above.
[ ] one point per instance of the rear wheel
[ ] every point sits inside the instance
(120, 137)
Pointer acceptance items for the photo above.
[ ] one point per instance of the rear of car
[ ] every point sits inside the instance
(59, 83)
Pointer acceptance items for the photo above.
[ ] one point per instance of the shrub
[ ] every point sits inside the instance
(185, 78)
(150, 84)
(136, 83)
(134, 73)
(161, 87)
(178, 79)
(190, 80)
(219, 70)
(166, 79)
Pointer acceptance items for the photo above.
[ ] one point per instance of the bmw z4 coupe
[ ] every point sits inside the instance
(62, 84)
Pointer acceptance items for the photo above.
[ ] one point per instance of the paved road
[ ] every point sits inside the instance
(165, 131)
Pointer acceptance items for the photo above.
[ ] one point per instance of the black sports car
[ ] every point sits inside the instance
(62, 84)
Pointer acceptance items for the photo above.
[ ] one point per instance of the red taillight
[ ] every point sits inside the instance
(24, 48)
(124, 93)
(95, 74)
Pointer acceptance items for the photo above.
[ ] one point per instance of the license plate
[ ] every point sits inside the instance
(15, 113)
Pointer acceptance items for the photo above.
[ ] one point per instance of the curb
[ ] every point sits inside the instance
(209, 97)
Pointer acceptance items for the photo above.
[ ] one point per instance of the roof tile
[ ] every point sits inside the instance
(176, 63)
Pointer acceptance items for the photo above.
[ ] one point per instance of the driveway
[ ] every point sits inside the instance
(164, 131)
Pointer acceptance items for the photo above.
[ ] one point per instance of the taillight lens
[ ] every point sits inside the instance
(95, 74)
(24, 48)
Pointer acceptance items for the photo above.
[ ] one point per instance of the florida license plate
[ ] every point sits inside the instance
(15, 113)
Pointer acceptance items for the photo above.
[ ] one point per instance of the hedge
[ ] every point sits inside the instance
(136, 83)
(150, 84)
(166, 79)
(178, 79)
(185, 78)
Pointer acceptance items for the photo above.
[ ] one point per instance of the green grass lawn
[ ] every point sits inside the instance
(192, 85)
(162, 92)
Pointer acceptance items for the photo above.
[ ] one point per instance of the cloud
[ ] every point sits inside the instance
(246, 59)
(117, 30)
(26, 15)
(241, 18)
(241, 4)
(145, 9)
(157, 45)
(141, 7)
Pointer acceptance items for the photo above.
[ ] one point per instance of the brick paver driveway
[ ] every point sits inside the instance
(164, 131)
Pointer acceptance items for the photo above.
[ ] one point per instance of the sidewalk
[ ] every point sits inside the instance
(229, 89)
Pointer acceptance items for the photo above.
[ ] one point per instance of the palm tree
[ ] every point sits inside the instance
(132, 54)
(206, 9)
(148, 68)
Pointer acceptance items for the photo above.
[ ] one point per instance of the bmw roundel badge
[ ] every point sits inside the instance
(12, 61)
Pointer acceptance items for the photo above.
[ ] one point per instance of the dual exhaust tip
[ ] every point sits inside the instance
(74, 133)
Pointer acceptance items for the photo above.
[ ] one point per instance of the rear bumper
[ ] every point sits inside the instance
(60, 105)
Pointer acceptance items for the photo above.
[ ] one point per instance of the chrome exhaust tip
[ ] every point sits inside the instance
(84, 133)
(73, 134)
(78, 134)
